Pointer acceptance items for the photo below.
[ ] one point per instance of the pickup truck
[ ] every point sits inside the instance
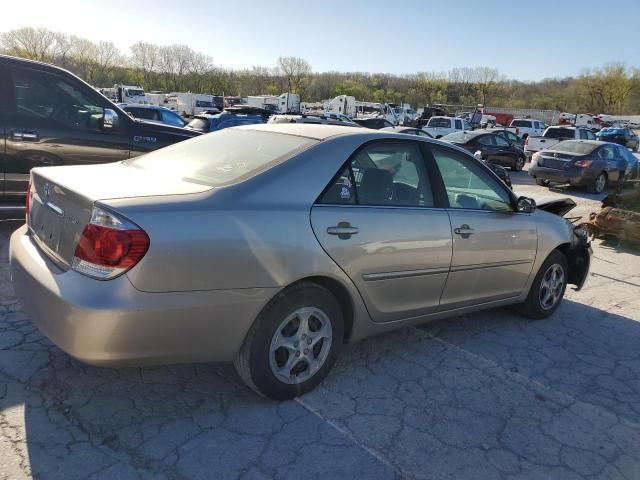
(554, 135)
(528, 127)
(441, 126)
(54, 118)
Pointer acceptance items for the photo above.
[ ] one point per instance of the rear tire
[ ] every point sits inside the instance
(518, 164)
(542, 182)
(599, 184)
(547, 288)
(285, 355)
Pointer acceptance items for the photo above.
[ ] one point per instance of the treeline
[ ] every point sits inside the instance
(612, 89)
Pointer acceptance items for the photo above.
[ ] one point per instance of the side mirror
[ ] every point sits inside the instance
(111, 121)
(525, 205)
(478, 154)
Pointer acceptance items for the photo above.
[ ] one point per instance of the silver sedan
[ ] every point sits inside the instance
(272, 245)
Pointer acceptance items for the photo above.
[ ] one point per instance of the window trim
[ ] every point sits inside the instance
(437, 203)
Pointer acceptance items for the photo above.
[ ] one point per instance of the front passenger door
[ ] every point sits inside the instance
(54, 120)
(493, 246)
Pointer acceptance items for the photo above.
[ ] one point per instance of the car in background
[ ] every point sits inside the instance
(622, 136)
(555, 135)
(153, 113)
(50, 117)
(407, 131)
(441, 126)
(318, 119)
(581, 163)
(273, 245)
(492, 147)
(220, 121)
(528, 127)
(373, 123)
(507, 133)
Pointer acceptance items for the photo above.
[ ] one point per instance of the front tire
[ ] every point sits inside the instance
(548, 288)
(293, 343)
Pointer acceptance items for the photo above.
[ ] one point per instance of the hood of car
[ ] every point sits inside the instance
(162, 128)
(558, 206)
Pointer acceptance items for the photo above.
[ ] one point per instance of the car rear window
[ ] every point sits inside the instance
(459, 137)
(560, 133)
(574, 146)
(223, 157)
(439, 123)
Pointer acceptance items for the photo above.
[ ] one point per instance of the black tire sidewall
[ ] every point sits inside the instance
(533, 308)
(269, 320)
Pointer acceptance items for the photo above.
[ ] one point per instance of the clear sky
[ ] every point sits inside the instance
(525, 40)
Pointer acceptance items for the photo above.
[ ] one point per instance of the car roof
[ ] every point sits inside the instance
(147, 107)
(398, 129)
(317, 131)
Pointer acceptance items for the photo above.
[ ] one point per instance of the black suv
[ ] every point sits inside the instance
(49, 116)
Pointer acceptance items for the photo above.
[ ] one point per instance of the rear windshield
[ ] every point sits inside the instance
(439, 123)
(560, 133)
(459, 137)
(521, 123)
(574, 146)
(223, 157)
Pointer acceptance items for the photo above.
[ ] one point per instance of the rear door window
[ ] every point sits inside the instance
(383, 174)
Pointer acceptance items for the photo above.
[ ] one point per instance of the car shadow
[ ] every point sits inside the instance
(199, 421)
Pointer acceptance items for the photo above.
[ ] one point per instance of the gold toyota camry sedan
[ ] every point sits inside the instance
(272, 245)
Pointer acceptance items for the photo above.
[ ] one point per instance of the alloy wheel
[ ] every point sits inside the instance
(300, 345)
(551, 287)
(601, 181)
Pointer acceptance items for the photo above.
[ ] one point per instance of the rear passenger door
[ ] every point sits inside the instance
(493, 246)
(377, 221)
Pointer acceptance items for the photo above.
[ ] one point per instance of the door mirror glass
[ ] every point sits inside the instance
(111, 120)
(525, 205)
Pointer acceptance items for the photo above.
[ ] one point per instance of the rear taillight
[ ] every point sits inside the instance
(109, 246)
(583, 163)
(526, 141)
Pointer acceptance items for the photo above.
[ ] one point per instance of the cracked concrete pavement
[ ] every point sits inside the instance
(484, 396)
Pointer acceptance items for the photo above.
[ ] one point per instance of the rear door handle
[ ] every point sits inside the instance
(343, 230)
(464, 231)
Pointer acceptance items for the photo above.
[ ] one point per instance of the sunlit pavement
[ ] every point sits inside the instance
(483, 396)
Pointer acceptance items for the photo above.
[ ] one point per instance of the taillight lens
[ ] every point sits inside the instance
(109, 246)
(583, 163)
(27, 203)
(526, 141)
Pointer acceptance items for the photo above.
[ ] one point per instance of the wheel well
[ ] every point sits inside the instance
(578, 265)
(342, 296)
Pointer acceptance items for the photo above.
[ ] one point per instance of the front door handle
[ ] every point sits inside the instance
(464, 231)
(24, 135)
(343, 230)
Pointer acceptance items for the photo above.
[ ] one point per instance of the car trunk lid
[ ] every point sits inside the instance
(556, 160)
(63, 200)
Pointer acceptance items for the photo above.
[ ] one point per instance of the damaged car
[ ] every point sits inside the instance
(273, 245)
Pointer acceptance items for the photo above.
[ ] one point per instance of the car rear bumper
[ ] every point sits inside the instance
(111, 323)
(574, 176)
